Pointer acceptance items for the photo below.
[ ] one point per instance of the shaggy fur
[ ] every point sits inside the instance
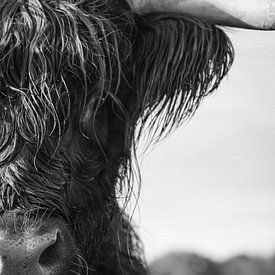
(80, 82)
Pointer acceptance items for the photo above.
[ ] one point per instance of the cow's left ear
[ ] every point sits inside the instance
(177, 61)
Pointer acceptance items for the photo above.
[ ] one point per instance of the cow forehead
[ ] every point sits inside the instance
(56, 58)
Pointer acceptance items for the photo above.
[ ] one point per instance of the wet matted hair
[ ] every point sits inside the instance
(80, 83)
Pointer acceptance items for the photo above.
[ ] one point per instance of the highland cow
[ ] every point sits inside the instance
(80, 82)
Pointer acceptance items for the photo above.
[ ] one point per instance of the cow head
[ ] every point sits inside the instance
(80, 81)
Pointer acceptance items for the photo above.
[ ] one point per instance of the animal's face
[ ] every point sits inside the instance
(61, 127)
(76, 77)
(59, 67)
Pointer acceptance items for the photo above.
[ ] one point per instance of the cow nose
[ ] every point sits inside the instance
(34, 253)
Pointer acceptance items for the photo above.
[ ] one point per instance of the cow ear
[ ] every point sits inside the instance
(176, 62)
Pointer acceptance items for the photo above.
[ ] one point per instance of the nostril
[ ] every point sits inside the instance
(51, 255)
(49, 249)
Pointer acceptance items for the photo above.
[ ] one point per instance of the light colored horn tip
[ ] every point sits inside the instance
(266, 23)
(269, 24)
(251, 14)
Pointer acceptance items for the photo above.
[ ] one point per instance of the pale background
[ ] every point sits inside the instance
(209, 187)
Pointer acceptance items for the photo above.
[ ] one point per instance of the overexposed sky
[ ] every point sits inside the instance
(210, 187)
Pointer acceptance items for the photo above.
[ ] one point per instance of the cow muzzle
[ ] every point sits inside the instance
(36, 250)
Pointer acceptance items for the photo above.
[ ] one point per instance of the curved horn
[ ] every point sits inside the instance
(250, 14)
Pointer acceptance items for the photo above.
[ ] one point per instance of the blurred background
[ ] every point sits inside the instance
(207, 204)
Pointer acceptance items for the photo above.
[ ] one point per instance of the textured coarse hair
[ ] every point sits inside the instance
(81, 82)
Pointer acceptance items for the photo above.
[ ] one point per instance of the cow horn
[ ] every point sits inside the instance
(250, 14)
